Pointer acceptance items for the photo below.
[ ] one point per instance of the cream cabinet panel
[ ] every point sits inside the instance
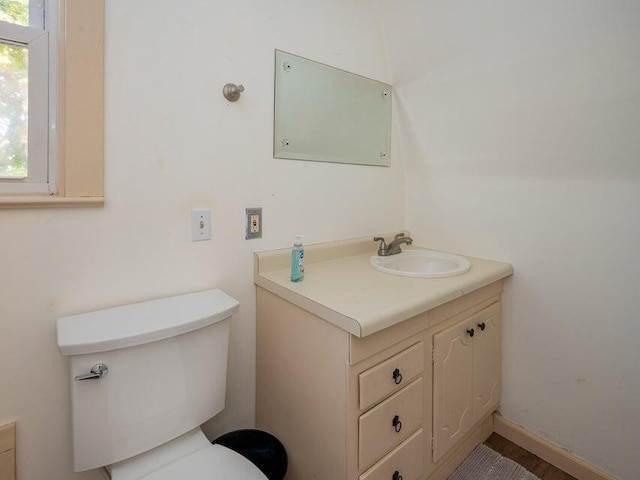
(486, 362)
(385, 426)
(452, 386)
(391, 375)
(466, 376)
(406, 461)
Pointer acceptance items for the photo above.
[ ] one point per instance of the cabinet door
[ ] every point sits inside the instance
(486, 362)
(452, 386)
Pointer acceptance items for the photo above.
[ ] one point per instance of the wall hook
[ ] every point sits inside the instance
(232, 92)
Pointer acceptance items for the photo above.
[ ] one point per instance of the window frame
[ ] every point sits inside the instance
(78, 78)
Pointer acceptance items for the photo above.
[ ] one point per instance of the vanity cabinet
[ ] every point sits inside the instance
(409, 401)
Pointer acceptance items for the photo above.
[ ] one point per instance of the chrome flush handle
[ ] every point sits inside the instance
(99, 370)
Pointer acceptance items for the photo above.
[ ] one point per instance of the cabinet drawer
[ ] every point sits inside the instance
(378, 435)
(407, 460)
(391, 375)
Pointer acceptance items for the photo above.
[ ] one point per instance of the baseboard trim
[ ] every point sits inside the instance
(555, 455)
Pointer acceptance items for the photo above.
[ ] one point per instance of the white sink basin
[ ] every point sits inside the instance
(422, 264)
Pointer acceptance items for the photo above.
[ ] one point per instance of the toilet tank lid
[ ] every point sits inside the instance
(143, 322)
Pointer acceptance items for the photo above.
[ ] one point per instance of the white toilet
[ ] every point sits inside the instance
(144, 377)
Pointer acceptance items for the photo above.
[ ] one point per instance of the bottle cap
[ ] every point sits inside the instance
(298, 240)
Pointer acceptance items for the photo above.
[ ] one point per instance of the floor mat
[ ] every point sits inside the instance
(486, 464)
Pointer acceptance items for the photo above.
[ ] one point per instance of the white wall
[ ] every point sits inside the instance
(521, 136)
(173, 143)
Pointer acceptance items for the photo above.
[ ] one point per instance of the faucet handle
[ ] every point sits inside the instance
(383, 248)
(398, 235)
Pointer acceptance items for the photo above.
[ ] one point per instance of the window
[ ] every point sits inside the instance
(27, 96)
(51, 103)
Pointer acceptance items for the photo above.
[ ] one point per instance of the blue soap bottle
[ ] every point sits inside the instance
(297, 260)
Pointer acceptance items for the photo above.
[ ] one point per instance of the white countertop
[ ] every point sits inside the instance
(341, 287)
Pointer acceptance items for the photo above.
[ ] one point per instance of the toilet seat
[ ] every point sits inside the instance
(190, 456)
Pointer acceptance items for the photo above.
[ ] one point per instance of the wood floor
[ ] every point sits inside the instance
(528, 460)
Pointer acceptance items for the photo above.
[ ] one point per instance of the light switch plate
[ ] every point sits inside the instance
(200, 225)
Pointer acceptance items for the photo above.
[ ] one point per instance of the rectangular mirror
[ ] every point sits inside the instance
(325, 114)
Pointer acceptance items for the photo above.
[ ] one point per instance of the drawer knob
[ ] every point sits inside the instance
(482, 326)
(471, 332)
(397, 376)
(396, 423)
(396, 476)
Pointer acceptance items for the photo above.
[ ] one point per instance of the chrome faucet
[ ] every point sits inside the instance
(394, 247)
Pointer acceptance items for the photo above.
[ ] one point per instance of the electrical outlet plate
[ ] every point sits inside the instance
(253, 223)
(200, 225)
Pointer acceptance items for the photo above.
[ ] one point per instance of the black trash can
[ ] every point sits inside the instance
(261, 448)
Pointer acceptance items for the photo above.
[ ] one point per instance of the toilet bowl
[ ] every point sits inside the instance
(144, 377)
(190, 456)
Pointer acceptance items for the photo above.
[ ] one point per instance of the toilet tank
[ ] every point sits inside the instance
(167, 368)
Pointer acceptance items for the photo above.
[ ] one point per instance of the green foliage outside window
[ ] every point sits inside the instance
(15, 11)
(14, 78)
